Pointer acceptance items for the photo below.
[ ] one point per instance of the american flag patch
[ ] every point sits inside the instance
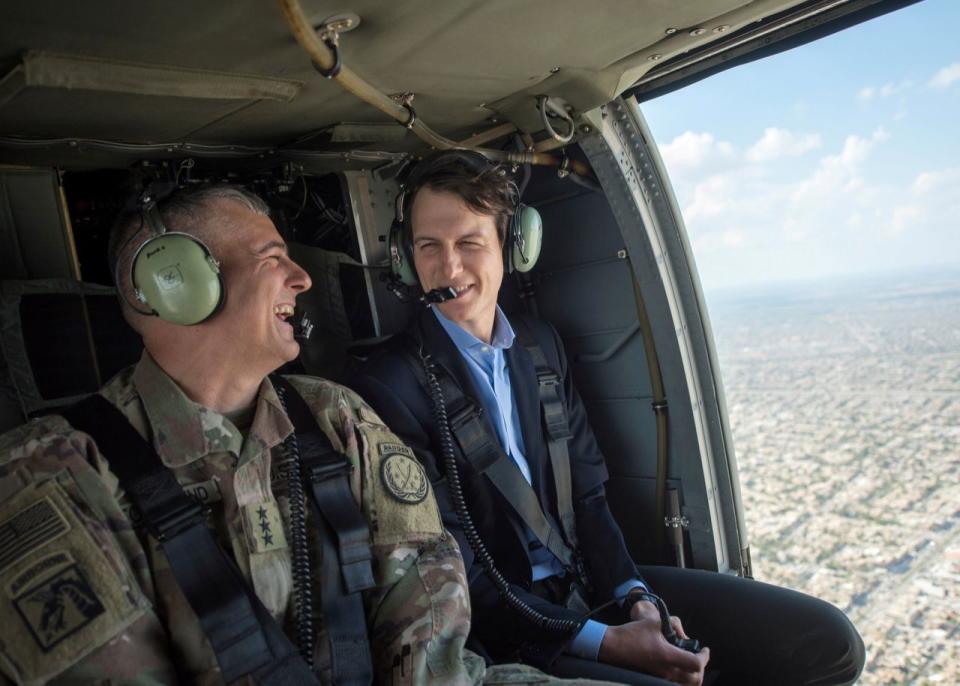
(30, 528)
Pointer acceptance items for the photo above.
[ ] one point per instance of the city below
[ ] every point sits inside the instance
(844, 399)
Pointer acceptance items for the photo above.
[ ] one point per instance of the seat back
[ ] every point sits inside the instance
(60, 341)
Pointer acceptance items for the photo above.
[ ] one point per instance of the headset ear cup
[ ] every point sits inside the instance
(178, 278)
(401, 260)
(528, 239)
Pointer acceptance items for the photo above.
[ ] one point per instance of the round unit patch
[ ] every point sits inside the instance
(404, 478)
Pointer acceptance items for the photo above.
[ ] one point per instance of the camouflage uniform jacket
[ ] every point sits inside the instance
(87, 596)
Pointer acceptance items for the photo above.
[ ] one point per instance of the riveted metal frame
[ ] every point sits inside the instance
(701, 451)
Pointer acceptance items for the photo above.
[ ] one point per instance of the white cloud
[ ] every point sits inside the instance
(691, 150)
(885, 91)
(836, 212)
(778, 143)
(904, 218)
(935, 181)
(837, 174)
(825, 213)
(855, 150)
(945, 77)
(833, 196)
(712, 197)
(733, 238)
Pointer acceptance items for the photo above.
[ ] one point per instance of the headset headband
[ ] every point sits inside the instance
(521, 244)
(442, 159)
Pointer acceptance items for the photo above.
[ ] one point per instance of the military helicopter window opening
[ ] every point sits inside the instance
(823, 222)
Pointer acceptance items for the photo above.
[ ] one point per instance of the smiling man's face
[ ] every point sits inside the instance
(262, 284)
(455, 246)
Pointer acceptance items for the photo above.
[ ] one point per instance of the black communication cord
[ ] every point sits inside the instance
(302, 590)
(486, 559)
(567, 626)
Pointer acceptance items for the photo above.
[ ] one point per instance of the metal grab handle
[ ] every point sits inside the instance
(549, 108)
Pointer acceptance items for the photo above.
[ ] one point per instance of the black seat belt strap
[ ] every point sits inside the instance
(486, 456)
(553, 414)
(347, 558)
(241, 631)
(470, 434)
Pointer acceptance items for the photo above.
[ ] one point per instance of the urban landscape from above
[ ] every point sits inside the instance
(844, 400)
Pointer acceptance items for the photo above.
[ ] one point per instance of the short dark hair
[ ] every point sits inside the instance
(484, 187)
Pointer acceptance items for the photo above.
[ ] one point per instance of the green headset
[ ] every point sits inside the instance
(521, 248)
(174, 273)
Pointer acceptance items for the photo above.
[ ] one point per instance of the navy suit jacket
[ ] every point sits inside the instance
(391, 387)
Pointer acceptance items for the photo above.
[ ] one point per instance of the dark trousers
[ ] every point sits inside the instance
(757, 633)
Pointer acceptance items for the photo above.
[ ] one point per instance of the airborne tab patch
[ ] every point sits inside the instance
(391, 448)
(403, 476)
(59, 607)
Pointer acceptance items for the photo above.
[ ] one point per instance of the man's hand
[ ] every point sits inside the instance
(640, 645)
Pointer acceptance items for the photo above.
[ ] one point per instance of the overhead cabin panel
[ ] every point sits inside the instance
(465, 62)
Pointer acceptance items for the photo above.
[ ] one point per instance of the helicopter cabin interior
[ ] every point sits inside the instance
(319, 111)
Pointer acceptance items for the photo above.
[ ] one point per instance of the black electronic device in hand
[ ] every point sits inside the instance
(691, 645)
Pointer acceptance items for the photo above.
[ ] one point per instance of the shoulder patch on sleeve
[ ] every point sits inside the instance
(399, 500)
(403, 476)
(61, 597)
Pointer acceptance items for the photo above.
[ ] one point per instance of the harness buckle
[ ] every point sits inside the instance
(319, 470)
(176, 516)
(319, 461)
(469, 411)
(547, 377)
(554, 417)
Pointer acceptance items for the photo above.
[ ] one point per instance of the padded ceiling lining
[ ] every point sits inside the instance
(466, 60)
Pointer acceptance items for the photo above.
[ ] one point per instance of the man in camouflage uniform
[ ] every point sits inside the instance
(88, 596)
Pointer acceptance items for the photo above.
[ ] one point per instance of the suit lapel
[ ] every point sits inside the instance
(446, 355)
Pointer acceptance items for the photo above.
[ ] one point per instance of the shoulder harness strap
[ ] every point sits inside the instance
(486, 456)
(346, 569)
(241, 631)
(553, 414)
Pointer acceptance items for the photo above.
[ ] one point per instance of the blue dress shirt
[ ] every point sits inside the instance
(487, 365)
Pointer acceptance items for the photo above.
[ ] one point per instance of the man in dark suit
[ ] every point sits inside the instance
(467, 390)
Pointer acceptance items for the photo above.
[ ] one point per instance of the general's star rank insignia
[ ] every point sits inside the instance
(263, 526)
(404, 478)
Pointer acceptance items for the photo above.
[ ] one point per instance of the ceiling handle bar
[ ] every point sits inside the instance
(325, 59)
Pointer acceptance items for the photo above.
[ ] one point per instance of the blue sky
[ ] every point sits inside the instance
(839, 157)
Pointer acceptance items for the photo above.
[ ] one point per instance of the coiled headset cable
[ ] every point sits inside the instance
(566, 626)
(481, 553)
(302, 590)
